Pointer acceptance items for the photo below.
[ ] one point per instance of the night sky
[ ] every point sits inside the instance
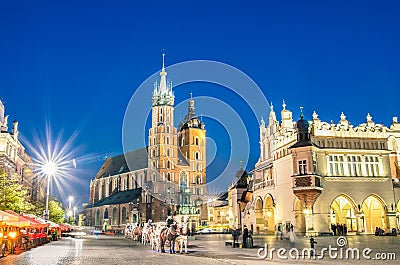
(76, 64)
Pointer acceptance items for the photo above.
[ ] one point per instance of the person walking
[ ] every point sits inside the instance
(245, 236)
(312, 244)
(280, 231)
(292, 237)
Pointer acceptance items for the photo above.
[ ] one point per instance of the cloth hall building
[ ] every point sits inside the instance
(314, 174)
(165, 178)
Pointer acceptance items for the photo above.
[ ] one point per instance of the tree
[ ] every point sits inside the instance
(56, 214)
(13, 195)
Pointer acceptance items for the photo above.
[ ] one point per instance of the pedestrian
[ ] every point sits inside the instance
(292, 237)
(280, 231)
(245, 236)
(333, 227)
(344, 229)
(250, 239)
(312, 243)
(340, 229)
(169, 221)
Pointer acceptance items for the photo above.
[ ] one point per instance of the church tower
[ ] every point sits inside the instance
(162, 150)
(192, 144)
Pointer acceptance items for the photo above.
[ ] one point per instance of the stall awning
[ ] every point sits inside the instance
(51, 224)
(12, 219)
(34, 222)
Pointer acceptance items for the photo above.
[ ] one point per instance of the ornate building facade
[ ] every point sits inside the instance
(168, 177)
(14, 158)
(316, 175)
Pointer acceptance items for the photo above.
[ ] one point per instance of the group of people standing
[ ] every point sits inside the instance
(290, 234)
(339, 229)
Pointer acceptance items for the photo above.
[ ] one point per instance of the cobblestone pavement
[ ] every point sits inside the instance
(206, 249)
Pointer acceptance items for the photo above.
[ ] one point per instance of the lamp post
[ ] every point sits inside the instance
(69, 212)
(49, 169)
(70, 199)
(74, 214)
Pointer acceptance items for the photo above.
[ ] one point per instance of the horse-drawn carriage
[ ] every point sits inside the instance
(159, 234)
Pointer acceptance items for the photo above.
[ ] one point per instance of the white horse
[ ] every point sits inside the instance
(182, 239)
(155, 239)
(146, 234)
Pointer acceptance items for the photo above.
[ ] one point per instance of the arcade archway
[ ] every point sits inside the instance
(299, 216)
(343, 212)
(374, 214)
(259, 216)
(269, 217)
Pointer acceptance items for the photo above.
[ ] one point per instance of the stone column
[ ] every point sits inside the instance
(380, 166)
(391, 220)
(363, 166)
(346, 166)
(328, 168)
(360, 226)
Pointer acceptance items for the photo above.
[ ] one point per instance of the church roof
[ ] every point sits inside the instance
(241, 177)
(121, 197)
(182, 161)
(131, 161)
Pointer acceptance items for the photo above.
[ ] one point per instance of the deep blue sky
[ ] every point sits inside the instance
(78, 63)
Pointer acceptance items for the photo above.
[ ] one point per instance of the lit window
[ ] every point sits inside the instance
(302, 167)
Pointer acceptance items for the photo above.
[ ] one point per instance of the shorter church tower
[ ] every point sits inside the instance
(192, 144)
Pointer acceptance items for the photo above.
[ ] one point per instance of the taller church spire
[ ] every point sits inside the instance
(162, 94)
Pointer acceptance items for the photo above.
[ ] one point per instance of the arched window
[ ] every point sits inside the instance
(168, 164)
(197, 141)
(97, 220)
(123, 215)
(106, 213)
(167, 140)
(196, 155)
(183, 179)
(167, 151)
(183, 142)
(198, 180)
(168, 176)
(114, 216)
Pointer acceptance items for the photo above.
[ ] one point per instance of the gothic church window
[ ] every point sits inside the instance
(183, 179)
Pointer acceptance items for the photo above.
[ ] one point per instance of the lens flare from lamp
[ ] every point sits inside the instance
(49, 168)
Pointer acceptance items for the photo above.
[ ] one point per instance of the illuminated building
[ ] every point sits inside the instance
(168, 177)
(315, 174)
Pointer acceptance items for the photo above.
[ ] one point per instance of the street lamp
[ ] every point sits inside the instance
(74, 214)
(70, 199)
(49, 169)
